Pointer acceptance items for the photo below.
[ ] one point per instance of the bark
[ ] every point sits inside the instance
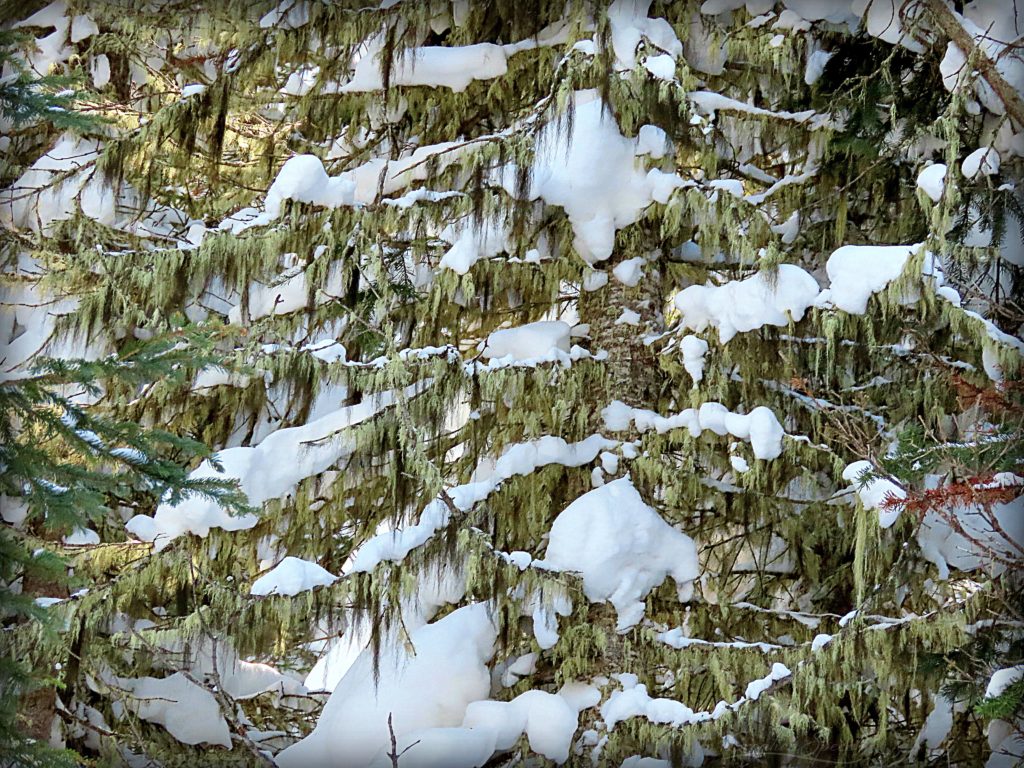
(951, 27)
(632, 366)
(631, 375)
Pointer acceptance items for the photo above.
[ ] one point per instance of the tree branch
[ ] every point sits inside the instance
(951, 27)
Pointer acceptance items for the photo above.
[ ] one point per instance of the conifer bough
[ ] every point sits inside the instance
(495, 383)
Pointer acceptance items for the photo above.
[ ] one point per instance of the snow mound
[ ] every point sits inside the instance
(970, 537)
(1002, 679)
(290, 577)
(439, 748)
(517, 459)
(858, 271)
(547, 719)
(435, 66)
(760, 426)
(266, 471)
(189, 713)
(984, 160)
(775, 298)
(430, 688)
(932, 181)
(622, 548)
(694, 348)
(874, 492)
(528, 341)
(594, 174)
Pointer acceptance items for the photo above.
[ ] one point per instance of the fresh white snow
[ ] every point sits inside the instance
(622, 548)
(290, 577)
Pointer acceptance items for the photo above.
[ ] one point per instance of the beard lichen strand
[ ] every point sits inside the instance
(849, 555)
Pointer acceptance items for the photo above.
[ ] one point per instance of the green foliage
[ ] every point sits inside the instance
(777, 539)
(72, 467)
(27, 98)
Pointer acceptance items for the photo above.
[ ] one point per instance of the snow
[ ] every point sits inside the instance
(520, 667)
(547, 719)
(189, 713)
(629, 272)
(288, 14)
(395, 545)
(36, 202)
(436, 586)
(267, 471)
(694, 348)
(82, 28)
(53, 48)
(935, 729)
(710, 102)
(756, 687)
(875, 492)
(629, 25)
(99, 68)
(634, 701)
(992, 25)
(544, 608)
(760, 426)
(288, 294)
(628, 317)
(989, 539)
(651, 141)
(52, 15)
(82, 537)
(517, 459)
(430, 688)
(984, 160)
(1002, 679)
(662, 67)
(595, 175)
(776, 298)
(884, 19)
(595, 280)
(470, 244)
(816, 62)
(239, 679)
(678, 640)
(439, 748)
(638, 761)
(820, 641)
(789, 229)
(858, 271)
(433, 66)
(290, 577)
(932, 181)
(580, 696)
(64, 181)
(1006, 742)
(303, 179)
(622, 548)
(527, 341)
